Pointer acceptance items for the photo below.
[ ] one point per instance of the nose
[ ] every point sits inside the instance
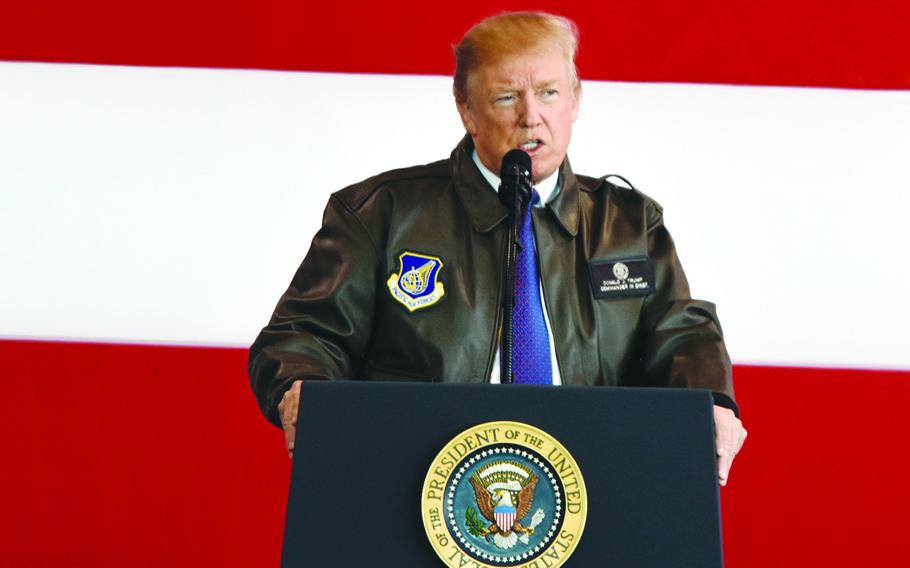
(529, 113)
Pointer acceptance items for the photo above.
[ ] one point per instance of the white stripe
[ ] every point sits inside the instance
(174, 205)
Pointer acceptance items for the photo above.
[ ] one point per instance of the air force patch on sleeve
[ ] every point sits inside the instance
(415, 285)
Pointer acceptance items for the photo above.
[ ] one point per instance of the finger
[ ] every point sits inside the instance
(724, 462)
(290, 417)
(289, 435)
(289, 403)
(724, 479)
(287, 409)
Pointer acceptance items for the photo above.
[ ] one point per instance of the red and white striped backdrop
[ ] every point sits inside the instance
(154, 207)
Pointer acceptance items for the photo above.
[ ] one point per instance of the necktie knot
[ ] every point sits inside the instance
(526, 216)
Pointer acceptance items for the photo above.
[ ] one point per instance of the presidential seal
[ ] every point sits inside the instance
(504, 494)
(620, 271)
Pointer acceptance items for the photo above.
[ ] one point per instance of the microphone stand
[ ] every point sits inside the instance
(506, 371)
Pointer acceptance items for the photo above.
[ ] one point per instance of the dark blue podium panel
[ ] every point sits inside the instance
(364, 448)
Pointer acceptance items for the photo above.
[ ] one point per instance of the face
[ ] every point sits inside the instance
(526, 102)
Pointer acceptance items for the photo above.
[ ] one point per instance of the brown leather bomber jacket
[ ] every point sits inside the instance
(616, 295)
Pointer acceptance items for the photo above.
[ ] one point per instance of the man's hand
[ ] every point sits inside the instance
(729, 438)
(287, 409)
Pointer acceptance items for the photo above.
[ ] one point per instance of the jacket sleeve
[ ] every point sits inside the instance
(682, 342)
(322, 322)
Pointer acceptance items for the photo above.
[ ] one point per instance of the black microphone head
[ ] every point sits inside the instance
(515, 185)
(515, 157)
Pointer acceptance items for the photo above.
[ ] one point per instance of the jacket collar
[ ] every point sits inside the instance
(483, 206)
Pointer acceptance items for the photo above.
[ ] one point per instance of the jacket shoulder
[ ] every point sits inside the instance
(616, 189)
(355, 195)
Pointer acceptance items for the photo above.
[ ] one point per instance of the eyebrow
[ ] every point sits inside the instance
(508, 87)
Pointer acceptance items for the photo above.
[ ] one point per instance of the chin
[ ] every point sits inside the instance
(541, 174)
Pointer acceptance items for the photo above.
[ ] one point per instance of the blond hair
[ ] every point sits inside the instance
(495, 38)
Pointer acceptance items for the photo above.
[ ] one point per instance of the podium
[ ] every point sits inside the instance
(364, 451)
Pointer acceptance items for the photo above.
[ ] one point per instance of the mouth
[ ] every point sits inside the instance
(532, 146)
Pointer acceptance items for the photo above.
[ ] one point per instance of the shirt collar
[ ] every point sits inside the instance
(483, 207)
(547, 188)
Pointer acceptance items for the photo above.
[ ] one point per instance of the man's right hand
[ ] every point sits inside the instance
(287, 409)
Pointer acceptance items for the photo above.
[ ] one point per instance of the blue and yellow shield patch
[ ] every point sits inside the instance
(415, 285)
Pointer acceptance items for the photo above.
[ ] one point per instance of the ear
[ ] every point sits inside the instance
(467, 118)
(576, 102)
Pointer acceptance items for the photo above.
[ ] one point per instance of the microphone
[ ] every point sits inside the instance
(515, 184)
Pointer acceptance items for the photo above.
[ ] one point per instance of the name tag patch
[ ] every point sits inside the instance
(621, 278)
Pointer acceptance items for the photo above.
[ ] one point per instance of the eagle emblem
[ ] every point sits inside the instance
(504, 491)
(620, 271)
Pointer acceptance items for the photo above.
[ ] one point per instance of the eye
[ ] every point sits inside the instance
(549, 93)
(504, 99)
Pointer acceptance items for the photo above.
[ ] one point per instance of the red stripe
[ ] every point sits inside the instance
(118, 455)
(822, 479)
(121, 455)
(764, 42)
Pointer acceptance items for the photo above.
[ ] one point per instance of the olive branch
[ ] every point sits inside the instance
(473, 522)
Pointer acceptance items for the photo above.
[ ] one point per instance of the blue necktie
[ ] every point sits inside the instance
(531, 350)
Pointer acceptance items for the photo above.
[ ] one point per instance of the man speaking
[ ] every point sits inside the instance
(406, 280)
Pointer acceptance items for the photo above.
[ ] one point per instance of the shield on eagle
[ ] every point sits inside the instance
(505, 518)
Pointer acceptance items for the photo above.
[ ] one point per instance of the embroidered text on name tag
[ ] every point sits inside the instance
(622, 278)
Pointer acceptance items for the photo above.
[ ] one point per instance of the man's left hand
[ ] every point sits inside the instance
(729, 437)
